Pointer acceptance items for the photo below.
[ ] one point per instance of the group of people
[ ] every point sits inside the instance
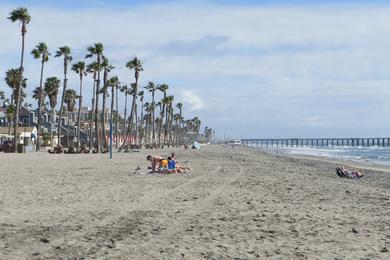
(166, 165)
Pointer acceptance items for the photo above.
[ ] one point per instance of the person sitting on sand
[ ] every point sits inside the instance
(155, 161)
(172, 165)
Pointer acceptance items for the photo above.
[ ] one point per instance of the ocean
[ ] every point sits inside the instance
(368, 155)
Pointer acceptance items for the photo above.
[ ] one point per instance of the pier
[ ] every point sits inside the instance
(317, 142)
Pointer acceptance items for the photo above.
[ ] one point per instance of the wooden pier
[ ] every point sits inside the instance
(317, 142)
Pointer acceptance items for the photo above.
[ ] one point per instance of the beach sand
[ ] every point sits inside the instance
(236, 203)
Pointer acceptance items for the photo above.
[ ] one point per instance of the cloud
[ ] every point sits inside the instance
(194, 102)
(262, 65)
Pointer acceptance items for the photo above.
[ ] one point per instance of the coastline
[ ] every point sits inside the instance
(236, 203)
(357, 164)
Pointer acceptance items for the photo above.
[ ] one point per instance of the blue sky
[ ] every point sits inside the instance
(246, 68)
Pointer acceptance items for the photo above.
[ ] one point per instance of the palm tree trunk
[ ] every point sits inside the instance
(111, 114)
(130, 127)
(104, 141)
(51, 127)
(153, 121)
(97, 105)
(68, 130)
(103, 123)
(91, 141)
(125, 119)
(166, 125)
(40, 101)
(117, 115)
(136, 124)
(142, 123)
(79, 112)
(132, 112)
(160, 125)
(63, 96)
(19, 90)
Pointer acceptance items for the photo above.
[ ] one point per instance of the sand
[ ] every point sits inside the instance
(236, 204)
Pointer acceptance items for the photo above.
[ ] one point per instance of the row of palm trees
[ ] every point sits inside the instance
(167, 128)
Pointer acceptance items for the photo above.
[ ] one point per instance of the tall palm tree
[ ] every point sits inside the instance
(147, 117)
(141, 95)
(113, 83)
(65, 52)
(167, 102)
(163, 88)
(12, 78)
(151, 87)
(96, 50)
(125, 90)
(179, 125)
(52, 86)
(79, 68)
(107, 67)
(40, 52)
(93, 69)
(136, 65)
(21, 15)
(132, 92)
(70, 100)
(117, 114)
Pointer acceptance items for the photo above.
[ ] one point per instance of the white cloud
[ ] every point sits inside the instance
(194, 102)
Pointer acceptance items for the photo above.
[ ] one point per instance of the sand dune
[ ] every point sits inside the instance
(235, 204)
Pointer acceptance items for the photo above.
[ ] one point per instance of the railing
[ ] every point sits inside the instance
(317, 142)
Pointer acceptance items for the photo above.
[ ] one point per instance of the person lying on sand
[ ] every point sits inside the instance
(347, 173)
(155, 161)
(175, 167)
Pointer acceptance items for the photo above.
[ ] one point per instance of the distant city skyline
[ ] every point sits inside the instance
(247, 68)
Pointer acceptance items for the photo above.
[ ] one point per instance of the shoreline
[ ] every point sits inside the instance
(346, 162)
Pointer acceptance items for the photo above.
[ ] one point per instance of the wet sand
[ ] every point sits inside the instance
(235, 204)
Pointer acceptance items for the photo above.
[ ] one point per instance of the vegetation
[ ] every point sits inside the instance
(141, 128)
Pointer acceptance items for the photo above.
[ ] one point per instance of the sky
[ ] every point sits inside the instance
(254, 69)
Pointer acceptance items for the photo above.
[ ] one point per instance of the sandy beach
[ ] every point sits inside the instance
(236, 204)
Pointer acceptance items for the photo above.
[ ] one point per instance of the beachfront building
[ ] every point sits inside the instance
(3, 116)
(27, 117)
(27, 136)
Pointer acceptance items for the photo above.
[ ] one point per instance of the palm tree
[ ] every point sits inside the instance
(132, 92)
(106, 69)
(70, 100)
(10, 114)
(167, 102)
(79, 68)
(163, 88)
(113, 83)
(180, 107)
(65, 52)
(92, 68)
(117, 112)
(40, 52)
(96, 50)
(141, 95)
(12, 78)
(136, 65)
(151, 87)
(125, 90)
(21, 14)
(52, 86)
(147, 117)
(38, 94)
